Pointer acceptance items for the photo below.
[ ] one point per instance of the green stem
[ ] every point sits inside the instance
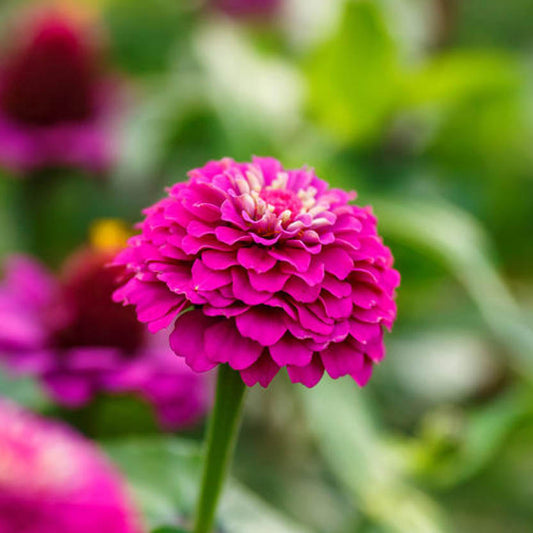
(221, 439)
(36, 200)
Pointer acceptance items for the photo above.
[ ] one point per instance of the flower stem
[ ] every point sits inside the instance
(221, 439)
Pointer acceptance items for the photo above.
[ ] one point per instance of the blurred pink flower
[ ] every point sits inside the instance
(281, 271)
(55, 103)
(70, 334)
(54, 481)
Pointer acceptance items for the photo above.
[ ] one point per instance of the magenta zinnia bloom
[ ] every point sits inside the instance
(54, 481)
(248, 8)
(69, 333)
(55, 104)
(280, 270)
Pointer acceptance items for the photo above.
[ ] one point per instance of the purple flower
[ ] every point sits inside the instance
(55, 104)
(68, 333)
(248, 8)
(54, 481)
(279, 270)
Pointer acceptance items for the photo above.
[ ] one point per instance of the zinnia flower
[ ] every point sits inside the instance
(248, 8)
(55, 104)
(71, 335)
(54, 481)
(278, 269)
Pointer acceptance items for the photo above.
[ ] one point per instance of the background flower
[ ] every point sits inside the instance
(281, 271)
(54, 481)
(56, 103)
(69, 333)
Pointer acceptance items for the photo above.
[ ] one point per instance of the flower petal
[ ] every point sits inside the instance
(362, 375)
(255, 258)
(341, 359)
(308, 375)
(291, 351)
(271, 281)
(364, 332)
(187, 339)
(224, 344)
(337, 261)
(263, 324)
(217, 260)
(205, 279)
(243, 290)
(262, 371)
(299, 259)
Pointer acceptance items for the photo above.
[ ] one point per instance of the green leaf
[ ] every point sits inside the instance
(54, 209)
(457, 76)
(24, 391)
(352, 445)
(145, 34)
(484, 23)
(483, 434)
(353, 77)
(164, 474)
(473, 102)
(10, 233)
(458, 241)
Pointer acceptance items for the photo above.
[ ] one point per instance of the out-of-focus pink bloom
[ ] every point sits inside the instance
(70, 334)
(54, 481)
(248, 8)
(282, 271)
(56, 106)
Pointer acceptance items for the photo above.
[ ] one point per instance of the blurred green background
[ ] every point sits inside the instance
(425, 107)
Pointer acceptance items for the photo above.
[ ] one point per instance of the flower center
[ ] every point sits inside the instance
(50, 80)
(92, 318)
(282, 200)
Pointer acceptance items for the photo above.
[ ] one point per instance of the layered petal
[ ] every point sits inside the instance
(288, 272)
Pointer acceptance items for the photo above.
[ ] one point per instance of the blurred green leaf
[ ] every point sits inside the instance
(473, 102)
(143, 35)
(457, 240)
(492, 23)
(169, 530)
(340, 418)
(9, 231)
(353, 77)
(482, 434)
(23, 391)
(54, 209)
(110, 416)
(459, 75)
(164, 473)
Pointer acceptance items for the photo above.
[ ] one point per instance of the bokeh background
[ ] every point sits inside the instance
(425, 107)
